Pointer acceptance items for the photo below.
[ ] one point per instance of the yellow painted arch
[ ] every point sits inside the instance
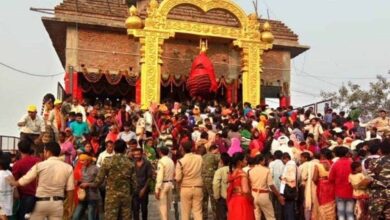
(206, 5)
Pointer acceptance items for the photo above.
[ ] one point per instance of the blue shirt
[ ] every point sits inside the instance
(79, 128)
(328, 118)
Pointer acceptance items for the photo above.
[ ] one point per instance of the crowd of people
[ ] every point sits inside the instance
(77, 160)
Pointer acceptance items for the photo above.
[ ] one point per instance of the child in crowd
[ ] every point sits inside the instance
(6, 190)
(359, 192)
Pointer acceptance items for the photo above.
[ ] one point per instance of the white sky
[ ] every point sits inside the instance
(348, 39)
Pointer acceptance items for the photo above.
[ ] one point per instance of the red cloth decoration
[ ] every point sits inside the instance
(202, 80)
(76, 91)
(284, 101)
(229, 94)
(138, 92)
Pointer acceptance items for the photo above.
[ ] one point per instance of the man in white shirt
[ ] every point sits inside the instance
(77, 108)
(109, 152)
(140, 129)
(31, 125)
(281, 144)
(289, 177)
(164, 182)
(276, 169)
(195, 136)
(127, 134)
(148, 123)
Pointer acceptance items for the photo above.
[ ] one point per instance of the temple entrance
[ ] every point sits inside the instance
(164, 22)
(102, 89)
(180, 94)
(174, 93)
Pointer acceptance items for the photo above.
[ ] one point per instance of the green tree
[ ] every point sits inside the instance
(369, 101)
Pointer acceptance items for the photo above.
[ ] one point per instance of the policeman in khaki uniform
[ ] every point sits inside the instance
(164, 182)
(210, 165)
(54, 178)
(189, 177)
(260, 178)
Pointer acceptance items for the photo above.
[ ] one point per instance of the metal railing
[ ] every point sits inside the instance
(9, 143)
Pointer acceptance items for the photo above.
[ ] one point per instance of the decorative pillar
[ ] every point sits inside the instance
(254, 74)
(251, 71)
(253, 47)
(151, 62)
(151, 38)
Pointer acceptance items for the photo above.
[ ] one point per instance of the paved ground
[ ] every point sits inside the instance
(154, 213)
(153, 209)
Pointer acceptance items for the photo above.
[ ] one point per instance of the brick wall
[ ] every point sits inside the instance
(107, 50)
(276, 66)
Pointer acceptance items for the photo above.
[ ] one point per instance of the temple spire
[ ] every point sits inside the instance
(203, 45)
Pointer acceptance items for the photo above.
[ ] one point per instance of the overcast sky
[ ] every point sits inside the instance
(348, 40)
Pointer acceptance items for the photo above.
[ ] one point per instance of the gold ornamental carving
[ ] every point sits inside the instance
(249, 36)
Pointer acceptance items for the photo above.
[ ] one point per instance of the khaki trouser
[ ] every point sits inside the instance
(52, 210)
(191, 199)
(263, 204)
(165, 200)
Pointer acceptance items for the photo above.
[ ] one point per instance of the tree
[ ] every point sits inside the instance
(369, 101)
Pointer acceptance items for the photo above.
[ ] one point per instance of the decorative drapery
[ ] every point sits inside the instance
(110, 78)
(178, 80)
(109, 84)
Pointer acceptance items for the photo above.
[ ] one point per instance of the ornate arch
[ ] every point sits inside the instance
(158, 27)
(206, 5)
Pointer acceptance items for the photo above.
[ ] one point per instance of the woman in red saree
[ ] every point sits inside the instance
(239, 199)
(325, 189)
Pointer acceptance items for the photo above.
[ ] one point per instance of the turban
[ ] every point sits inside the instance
(85, 157)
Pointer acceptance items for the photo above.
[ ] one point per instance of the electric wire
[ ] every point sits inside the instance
(28, 73)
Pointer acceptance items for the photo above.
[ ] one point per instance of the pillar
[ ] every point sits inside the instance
(151, 50)
(251, 71)
(71, 53)
(71, 50)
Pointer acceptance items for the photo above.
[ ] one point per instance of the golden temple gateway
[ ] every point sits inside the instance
(143, 50)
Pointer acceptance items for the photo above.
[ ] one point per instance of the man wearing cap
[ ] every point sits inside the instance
(54, 177)
(188, 175)
(382, 123)
(31, 125)
(56, 120)
(164, 182)
(262, 185)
